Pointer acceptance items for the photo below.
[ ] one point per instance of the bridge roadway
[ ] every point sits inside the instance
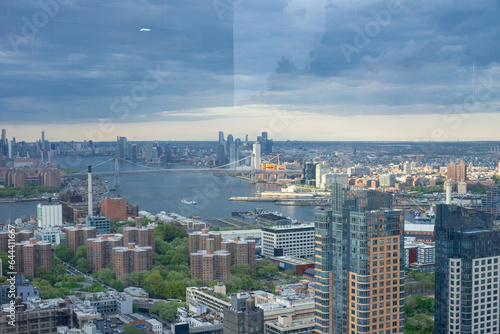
(192, 170)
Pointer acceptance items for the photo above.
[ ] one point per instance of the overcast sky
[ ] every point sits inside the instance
(299, 69)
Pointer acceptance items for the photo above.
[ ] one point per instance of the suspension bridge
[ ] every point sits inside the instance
(218, 170)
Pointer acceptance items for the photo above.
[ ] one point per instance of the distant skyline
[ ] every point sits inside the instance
(184, 70)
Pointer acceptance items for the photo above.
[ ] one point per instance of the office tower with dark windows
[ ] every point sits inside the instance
(121, 147)
(490, 203)
(467, 260)
(221, 137)
(132, 152)
(359, 270)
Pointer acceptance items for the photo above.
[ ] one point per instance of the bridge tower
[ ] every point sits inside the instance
(116, 174)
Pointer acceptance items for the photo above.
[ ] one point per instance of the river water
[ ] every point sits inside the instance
(164, 192)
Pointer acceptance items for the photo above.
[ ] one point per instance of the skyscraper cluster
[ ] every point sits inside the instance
(230, 150)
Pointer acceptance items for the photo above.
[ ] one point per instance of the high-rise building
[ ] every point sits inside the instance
(16, 177)
(49, 177)
(49, 215)
(456, 173)
(309, 174)
(19, 237)
(221, 155)
(388, 180)
(42, 144)
(132, 152)
(198, 240)
(30, 255)
(3, 144)
(359, 271)
(232, 155)
(99, 250)
(490, 203)
(467, 262)
(221, 137)
(243, 317)
(168, 153)
(256, 156)
(132, 258)
(139, 235)
(121, 147)
(229, 142)
(212, 257)
(241, 251)
(78, 235)
(210, 265)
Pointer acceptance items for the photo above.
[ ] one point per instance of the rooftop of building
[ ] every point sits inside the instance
(135, 248)
(205, 253)
(135, 290)
(36, 304)
(272, 216)
(289, 226)
(286, 323)
(33, 242)
(292, 260)
(410, 227)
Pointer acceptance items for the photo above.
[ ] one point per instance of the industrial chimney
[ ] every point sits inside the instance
(447, 186)
(89, 198)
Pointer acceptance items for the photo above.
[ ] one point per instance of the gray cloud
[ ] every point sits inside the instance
(91, 53)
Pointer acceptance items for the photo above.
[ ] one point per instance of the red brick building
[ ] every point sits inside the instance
(99, 250)
(139, 235)
(114, 208)
(132, 258)
(78, 235)
(30, 255)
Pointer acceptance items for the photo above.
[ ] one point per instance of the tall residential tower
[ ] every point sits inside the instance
(359, 264)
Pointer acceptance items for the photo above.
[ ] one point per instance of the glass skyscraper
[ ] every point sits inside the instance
(467, 259)
(359, 270)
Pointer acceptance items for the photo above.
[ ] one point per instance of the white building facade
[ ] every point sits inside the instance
(288, 240)
(49, 215)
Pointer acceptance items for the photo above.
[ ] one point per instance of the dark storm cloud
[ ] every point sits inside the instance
(91, 53)
(90, 58)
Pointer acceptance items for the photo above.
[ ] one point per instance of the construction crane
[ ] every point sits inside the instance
(421, 209)
(269, 165)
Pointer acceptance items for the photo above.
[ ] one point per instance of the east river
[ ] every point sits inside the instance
(165, 191)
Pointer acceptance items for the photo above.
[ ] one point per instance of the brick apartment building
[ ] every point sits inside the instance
(139, 235)
(77, 236)
(132, 258)
(99, 250)
(30, 255)
(49, 177)
(242, 251)
(19, 236)
(212, 257)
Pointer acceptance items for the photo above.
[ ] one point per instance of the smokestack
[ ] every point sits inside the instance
(89, 198)
(447, 185)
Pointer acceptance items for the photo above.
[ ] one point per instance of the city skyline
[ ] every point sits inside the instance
(350, 71)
